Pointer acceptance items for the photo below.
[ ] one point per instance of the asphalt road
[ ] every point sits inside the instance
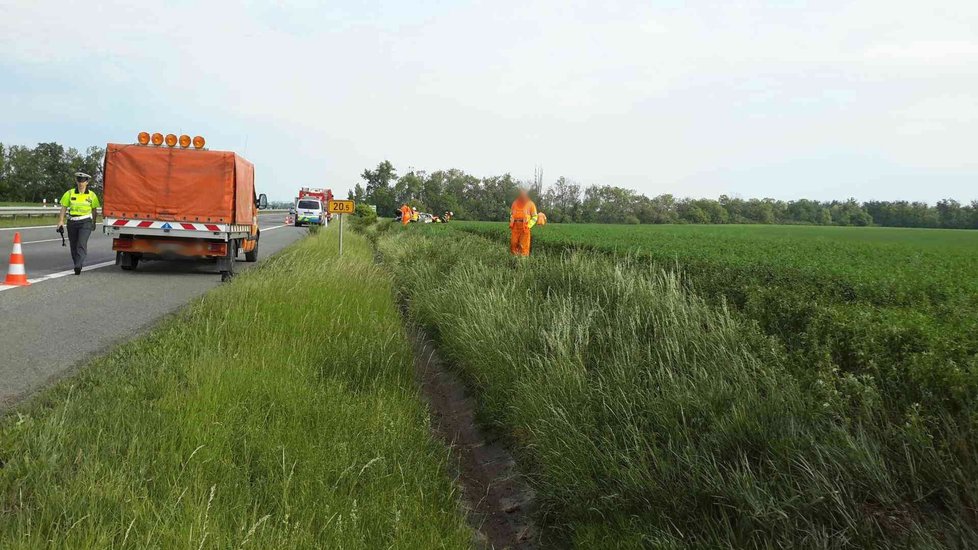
(62, 320)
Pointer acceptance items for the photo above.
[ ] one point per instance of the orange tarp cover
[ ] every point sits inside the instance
(244, 176)
(162, 183)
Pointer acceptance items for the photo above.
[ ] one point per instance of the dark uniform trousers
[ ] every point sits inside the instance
(78, 233)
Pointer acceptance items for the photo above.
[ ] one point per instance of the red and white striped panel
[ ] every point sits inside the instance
(174, 226)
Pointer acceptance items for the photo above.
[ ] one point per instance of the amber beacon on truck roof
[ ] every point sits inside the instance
(171, 140)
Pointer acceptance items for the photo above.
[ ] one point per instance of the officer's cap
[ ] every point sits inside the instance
(82, 175)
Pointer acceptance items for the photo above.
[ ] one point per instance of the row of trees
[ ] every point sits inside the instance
(45, 171)
(488, 198)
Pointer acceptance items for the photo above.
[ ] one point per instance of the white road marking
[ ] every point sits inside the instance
(28, 227)
(61, 274)
(273, 228)
(43, 241)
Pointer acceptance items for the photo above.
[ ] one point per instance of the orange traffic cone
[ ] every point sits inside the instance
(16, 273)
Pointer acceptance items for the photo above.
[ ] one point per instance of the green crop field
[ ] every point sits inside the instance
(863, 341)
(894, 305)
(884, 266)
(891, 310)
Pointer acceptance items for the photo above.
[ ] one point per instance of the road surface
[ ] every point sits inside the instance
(62, 320)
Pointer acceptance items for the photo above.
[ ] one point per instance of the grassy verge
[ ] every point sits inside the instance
(23, 221)
(277, 412)
(646, 416)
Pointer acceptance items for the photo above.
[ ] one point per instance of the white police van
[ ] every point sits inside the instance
(309, 212)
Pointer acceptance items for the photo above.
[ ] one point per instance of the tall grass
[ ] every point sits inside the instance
(647, 417)
(24, 221)
(880, 320)
(277, 412)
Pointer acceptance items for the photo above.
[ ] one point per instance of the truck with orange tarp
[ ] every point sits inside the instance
(169, 201)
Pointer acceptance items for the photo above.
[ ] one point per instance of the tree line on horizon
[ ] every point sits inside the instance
(45, 171)
(488, 198)
(31, 174)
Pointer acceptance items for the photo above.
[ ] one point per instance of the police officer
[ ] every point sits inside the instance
(80, 205)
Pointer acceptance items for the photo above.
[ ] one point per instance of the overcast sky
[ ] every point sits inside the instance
(823, 99)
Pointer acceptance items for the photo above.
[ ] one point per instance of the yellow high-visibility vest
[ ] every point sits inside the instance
(80, 204)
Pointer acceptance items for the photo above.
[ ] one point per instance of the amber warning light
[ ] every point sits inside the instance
(171, 140)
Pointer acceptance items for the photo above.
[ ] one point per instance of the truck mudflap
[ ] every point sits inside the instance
(225, 264)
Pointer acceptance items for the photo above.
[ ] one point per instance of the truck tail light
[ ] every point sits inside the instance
(217, 248)
(123, 243)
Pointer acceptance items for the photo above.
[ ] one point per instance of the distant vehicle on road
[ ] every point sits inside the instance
(309, 212)
(319, 194)
(166, 202)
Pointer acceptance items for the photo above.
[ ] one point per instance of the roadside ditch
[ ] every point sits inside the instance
(498, 498)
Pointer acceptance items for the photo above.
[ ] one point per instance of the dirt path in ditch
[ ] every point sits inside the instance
(497, 495)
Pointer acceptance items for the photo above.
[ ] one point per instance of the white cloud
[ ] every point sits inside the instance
(683, 99)
(930, 54)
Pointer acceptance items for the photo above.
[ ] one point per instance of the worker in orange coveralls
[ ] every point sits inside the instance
(522, 218)
(405, 215)
(541, 219)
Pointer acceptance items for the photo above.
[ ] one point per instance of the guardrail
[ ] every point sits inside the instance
(27, 211)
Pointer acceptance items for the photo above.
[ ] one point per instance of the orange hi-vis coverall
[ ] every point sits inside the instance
(522, 217)
(405, 215)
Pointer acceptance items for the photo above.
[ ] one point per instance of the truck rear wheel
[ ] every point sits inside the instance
(253, 255)
(128, 261)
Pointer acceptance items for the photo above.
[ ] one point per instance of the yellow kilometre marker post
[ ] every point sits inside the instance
(339, 208)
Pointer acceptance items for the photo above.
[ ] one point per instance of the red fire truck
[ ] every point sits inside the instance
(319, 194)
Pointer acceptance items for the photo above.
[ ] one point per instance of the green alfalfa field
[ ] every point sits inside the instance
(719, 385)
